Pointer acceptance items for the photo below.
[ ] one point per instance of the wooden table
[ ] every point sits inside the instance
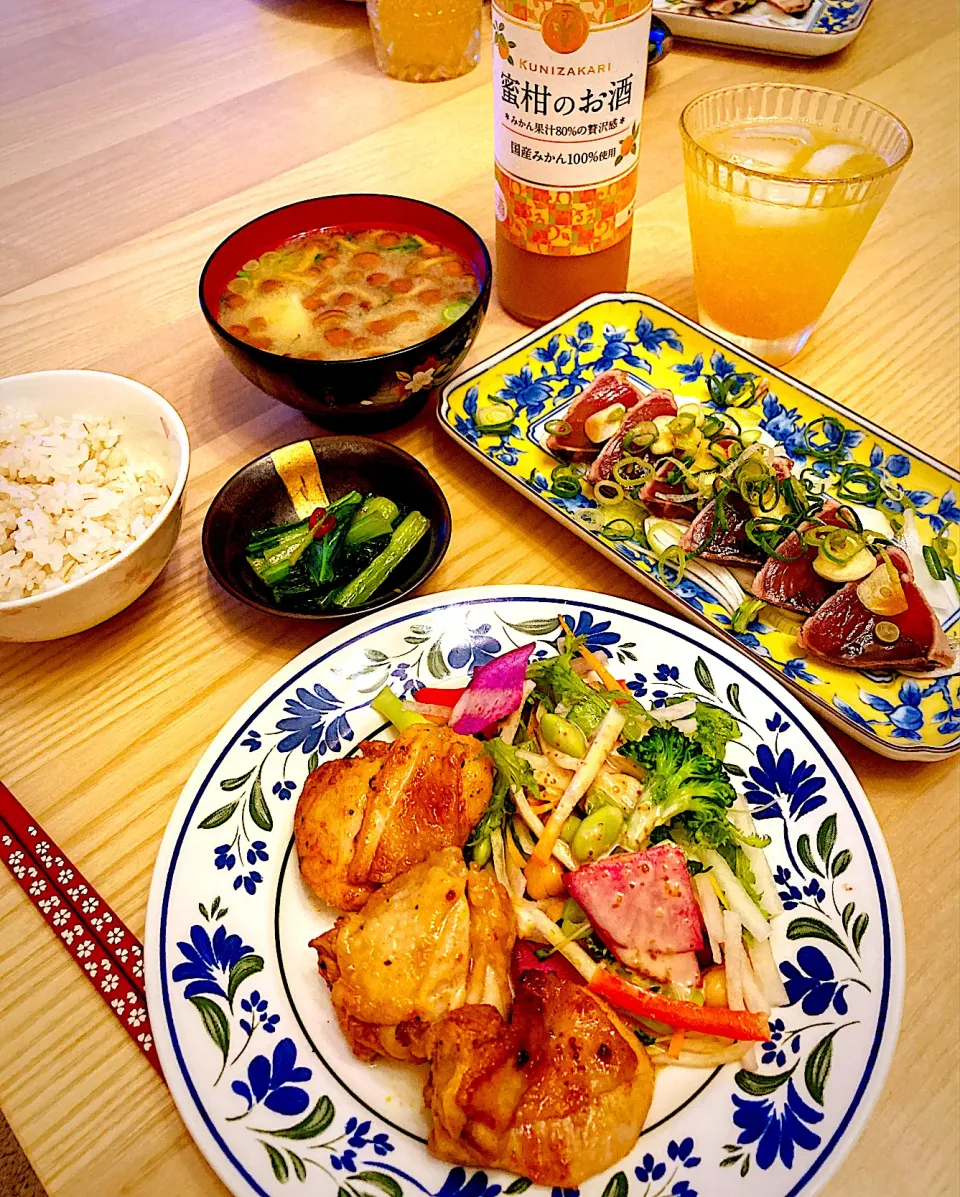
(133, 136)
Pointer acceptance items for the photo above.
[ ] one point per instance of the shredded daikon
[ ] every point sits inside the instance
(733, 958)
(606, 736)
(560, 850)
(532, 922)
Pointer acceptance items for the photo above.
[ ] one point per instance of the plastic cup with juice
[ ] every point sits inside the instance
(425, 41)
(783, 182)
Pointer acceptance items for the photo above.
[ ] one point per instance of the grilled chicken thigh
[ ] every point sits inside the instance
(432, 940)
(363, 821)
(557, 1094)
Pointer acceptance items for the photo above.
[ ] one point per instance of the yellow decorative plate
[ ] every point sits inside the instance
(899, 716)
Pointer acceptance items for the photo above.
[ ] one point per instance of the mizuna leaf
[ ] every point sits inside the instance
(219, 816)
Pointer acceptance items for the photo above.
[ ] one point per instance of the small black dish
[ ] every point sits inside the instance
(367, 394)
(256, 497)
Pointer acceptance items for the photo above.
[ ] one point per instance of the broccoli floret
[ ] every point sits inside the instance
(684, 784)
(557, 681)
(715, 728)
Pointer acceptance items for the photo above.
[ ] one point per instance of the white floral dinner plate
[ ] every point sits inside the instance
(244, 1029)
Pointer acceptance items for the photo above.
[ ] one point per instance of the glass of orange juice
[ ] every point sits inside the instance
(783, 182)
(424, 41)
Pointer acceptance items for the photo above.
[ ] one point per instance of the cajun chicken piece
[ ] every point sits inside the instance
(363, 821)
(557, 1094)
(327, 822)
(432, 940)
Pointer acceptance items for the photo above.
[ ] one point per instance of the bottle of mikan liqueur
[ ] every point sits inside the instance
(567, 92)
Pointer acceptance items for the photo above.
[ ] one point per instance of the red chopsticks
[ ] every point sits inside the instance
(105, 949)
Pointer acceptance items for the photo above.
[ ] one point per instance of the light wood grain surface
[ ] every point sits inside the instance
(133, 136)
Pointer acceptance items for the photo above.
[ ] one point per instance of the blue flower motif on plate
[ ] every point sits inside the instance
(777, 1132)
(276, 1082)
(525, 391)
(313, 725)
(479, 649)
(774, 778)
(257, 1010)
(690, 371)
(205, 957)
(597, 632)
(906, 716)
(811, 982)
(458, 1184)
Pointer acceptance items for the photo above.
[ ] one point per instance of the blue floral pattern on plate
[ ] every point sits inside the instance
(263, 1077)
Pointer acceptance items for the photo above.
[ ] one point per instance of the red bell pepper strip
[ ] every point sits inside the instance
(686, 1016)
(430, 696)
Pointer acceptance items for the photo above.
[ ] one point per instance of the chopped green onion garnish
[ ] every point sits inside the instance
(565, 483)
(858, 484)
(673, 557)
(494, 418)
(933, 563)
(619, 529)
(745, 613)
(453, 311)
(608, 492)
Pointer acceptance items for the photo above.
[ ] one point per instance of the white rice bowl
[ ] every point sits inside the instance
(92, 474)
(71, 499)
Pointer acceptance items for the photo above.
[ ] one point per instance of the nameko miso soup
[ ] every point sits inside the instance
(337, 294)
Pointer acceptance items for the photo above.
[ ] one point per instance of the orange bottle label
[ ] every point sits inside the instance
(568, 94)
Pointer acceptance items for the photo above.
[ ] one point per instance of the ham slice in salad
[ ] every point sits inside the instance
(643, 907)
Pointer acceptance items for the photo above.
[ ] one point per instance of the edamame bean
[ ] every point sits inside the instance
(569, 829)
(595, 798)
(597, 833)
(563, 735)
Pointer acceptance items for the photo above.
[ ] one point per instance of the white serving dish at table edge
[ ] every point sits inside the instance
(239, 1012)
(155, 435)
